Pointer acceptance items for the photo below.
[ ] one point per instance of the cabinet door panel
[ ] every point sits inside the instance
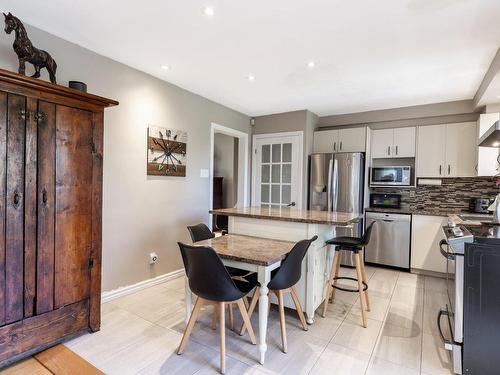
(352, 140)
(3, 177)
(461, 149)
(73, 237)
(425, 236)
(46, 207)
(431, 151)
(326, 141)
(14, 236)
(404, 142)
(382, 141)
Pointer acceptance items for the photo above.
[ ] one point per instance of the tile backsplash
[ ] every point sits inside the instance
(453, 195)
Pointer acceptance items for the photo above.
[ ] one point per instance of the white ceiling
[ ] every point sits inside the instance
(369, 54)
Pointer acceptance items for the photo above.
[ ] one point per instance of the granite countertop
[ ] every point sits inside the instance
(253, 250)
(294, 215)
(416, 211)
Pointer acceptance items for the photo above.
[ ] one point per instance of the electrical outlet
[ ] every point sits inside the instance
(153, 258)
(412, 193)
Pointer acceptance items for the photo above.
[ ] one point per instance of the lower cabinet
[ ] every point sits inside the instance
(425, 236)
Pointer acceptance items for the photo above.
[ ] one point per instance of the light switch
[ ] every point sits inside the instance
(204, 173)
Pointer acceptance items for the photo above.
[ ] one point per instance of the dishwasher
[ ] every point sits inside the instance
(390, 240)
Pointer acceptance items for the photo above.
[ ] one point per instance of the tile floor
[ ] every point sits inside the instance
(140, 333)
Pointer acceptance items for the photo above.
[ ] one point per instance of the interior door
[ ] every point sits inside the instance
(73, 210)
(277, 162)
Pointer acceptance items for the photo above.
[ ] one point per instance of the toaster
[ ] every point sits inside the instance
(480, 205)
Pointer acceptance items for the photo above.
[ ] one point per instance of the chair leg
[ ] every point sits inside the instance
(189, 328)
(281, 307)
(360, 287)
(251, 308)
(215, 316)
(246, 320)
(365, 279)
(298, 307)
(231, 317)
(222, 323)
(336, 274)
(330, 290)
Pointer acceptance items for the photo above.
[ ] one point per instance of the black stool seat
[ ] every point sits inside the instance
(346, 243)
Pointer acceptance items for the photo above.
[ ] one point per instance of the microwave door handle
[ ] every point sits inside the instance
(444, 252)
(329, 184)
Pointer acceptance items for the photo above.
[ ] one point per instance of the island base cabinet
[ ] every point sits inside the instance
(425, 237)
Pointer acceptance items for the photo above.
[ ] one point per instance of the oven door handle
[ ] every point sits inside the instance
(445, 253)
(448, 344)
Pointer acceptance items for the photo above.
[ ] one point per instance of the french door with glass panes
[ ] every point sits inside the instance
(277, 170)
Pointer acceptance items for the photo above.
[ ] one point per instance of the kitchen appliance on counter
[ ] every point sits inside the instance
(385, 200)
(480, 205)
(390, 241)
(337, 184)
(390, 176)
(472, 263)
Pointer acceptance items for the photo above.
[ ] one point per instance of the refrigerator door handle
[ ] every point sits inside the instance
(329, 184)
(335, 188)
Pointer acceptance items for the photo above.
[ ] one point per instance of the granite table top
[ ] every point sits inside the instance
(253, 250)
(294, 215)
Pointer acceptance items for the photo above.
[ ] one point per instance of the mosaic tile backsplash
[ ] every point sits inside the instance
(453, 195)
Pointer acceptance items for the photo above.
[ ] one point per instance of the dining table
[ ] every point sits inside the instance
(253, 254)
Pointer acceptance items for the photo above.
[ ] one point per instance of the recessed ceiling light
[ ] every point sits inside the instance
(311, 64)
(208, 11)
(165, 67)
(251, 77)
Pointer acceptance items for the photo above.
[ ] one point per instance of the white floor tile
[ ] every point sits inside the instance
(408, 295)
(405, 315)
(382, 367)
(340, 360)
(378, 308)
(436, 284)
(353, 335)
(435, 359)
(411, 280)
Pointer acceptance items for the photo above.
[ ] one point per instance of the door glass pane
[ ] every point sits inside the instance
(276, 153)
(286, 195)
(275, 194)
(276, 177)
(287, 173)
(264, 193)
(266, 153)
(264, 205)
(265, 173)
(287, 152)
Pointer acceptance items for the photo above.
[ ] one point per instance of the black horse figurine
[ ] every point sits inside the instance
(26, 52)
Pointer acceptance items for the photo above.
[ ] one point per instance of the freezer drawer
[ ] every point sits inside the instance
(390, 241)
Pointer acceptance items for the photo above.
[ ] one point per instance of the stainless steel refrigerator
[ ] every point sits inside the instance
(336, 183)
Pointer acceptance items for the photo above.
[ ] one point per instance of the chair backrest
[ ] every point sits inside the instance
(291, 268)
(200, 232)
(207, 276)
(366, 237)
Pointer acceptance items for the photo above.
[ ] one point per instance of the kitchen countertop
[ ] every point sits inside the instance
(415, 211)
(294, 215)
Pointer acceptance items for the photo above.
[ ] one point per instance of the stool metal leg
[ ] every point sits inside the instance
(365, 279)
(330, 290)
(360, 287)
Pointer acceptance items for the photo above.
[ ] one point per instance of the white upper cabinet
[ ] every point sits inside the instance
(431, 151)
(325, 140)
(487, 164)
(447, 150)
(404, 142)
(352, 140)
(393, 143)
(343, 140)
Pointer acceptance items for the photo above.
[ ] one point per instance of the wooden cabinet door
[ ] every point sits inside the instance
(461, 149)
(431, 151)
(352, 140)
(382, 141)
(73, 210)
(404, 142)
(326, 141)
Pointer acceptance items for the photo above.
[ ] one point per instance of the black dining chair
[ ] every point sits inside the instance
(201, 232)
(283, 280)
(210, 281)
(354, 245)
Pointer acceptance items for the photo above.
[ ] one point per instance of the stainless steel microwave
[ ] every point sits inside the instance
(391, 176)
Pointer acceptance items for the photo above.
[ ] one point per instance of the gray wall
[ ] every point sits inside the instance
(140, 213)
(226, 165)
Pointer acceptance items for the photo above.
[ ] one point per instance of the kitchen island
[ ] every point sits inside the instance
(295, 225)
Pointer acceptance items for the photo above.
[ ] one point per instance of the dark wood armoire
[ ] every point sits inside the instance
(51, 144)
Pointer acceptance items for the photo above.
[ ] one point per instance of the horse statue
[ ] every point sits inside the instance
(26, 52)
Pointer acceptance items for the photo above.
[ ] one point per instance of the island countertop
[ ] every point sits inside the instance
(294, 215)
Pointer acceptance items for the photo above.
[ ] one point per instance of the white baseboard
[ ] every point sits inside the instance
(129, 289)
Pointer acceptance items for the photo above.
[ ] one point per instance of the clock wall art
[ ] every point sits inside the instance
(166, 152)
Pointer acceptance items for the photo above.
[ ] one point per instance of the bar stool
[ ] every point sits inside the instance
(355, 245)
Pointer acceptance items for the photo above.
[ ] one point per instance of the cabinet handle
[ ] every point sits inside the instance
(17, 199)
(44, 197)
(340, 145)
(396, 150)
(476, 168)
(388, 150)
(449, 169)
(334, 146)
(440, 169)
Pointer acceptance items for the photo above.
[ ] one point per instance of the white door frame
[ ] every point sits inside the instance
(243, 146)
(299, 134)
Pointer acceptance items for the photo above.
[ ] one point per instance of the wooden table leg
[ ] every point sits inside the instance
(264, 276)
